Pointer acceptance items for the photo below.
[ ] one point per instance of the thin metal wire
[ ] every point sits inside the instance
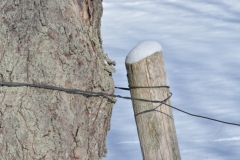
(134, 87)
(155, 109)
(107, 95)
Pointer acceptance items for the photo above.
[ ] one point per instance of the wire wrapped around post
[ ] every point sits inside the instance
(154, 121)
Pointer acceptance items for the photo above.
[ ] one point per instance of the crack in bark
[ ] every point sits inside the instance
(18, 142)
(3, 52)
(4, 97)
(25, 123)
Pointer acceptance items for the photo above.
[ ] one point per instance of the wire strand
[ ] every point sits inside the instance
(134, 87)
(107, 95)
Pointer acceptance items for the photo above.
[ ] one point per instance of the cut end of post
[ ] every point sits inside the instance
(143, 50)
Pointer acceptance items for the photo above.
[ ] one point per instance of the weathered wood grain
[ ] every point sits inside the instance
(156, 129)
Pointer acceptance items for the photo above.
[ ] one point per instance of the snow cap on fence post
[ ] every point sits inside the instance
(143, 50)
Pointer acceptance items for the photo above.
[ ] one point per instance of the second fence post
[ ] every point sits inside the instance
(156, 129)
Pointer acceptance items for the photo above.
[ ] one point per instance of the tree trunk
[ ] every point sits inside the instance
(53, 42)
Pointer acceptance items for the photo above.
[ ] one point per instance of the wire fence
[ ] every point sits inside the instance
(107, 95)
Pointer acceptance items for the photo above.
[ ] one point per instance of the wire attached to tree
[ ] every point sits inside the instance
(107, 95)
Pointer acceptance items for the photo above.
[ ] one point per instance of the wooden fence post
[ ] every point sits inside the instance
(156, 128)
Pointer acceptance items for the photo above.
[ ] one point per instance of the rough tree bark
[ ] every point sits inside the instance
(54, 42)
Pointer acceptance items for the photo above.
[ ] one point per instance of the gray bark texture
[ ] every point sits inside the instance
(53, 42)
